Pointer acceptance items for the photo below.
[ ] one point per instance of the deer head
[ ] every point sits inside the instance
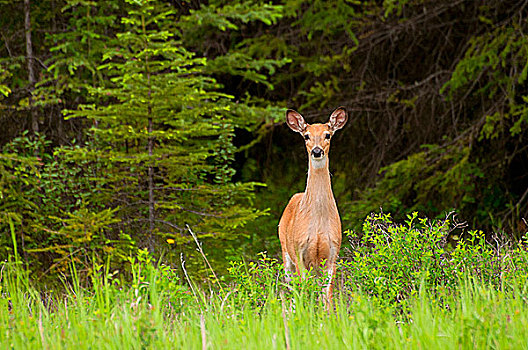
(317, 136)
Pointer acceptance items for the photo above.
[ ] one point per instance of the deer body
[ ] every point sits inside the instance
(310, 227)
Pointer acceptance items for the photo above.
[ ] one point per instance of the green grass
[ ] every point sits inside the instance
(400, 288)
(108, 316)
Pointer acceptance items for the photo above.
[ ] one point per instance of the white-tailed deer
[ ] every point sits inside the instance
(310, 227)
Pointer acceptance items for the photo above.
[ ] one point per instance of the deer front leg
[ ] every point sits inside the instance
(330, 278)
(289, 266)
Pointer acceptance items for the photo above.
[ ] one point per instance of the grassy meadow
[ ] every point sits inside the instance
(399, 286)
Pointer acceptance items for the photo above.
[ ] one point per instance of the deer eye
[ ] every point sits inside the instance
(327, 136)
(306, 137)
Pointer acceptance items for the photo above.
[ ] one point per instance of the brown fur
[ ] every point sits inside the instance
(310, 227)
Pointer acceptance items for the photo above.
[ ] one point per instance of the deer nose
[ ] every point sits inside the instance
(317, 152)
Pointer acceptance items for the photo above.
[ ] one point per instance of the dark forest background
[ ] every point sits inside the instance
(124, 124)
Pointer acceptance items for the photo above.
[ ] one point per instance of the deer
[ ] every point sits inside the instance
(310, 226)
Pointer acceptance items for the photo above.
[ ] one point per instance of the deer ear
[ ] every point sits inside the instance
(295, 121)
(338, 118)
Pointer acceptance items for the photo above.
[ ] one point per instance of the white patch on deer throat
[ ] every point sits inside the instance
(318, 163)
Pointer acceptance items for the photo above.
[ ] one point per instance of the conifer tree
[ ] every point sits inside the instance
(76, 53)
(164, 134)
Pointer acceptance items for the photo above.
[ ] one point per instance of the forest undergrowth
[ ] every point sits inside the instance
(399, 285)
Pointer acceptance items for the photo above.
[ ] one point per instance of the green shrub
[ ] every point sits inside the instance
(390, 262)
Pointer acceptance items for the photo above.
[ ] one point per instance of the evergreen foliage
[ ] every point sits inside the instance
(154, 115)
(158, 153)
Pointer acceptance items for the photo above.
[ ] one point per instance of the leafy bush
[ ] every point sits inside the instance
(391, 262)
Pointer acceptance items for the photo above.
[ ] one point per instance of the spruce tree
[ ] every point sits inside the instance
(164, 134)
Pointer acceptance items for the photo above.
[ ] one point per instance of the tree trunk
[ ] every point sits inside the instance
(151, 179)
(150, 151)
(31, 66)
(61, 138)
(32, 80)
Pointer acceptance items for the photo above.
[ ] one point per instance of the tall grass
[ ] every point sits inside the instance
(256, 310)
(479, 317)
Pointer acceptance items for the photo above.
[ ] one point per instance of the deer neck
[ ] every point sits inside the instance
(318, 196)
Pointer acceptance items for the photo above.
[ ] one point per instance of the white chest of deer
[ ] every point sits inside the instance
(310, 227)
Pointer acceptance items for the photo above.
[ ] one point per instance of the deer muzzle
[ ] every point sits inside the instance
(317, 152)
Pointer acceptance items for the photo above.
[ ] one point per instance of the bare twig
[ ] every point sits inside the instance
(199, 245)
(285, 323)
(515, 207)
(204, 335)
(41, 331)
(187, 276)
